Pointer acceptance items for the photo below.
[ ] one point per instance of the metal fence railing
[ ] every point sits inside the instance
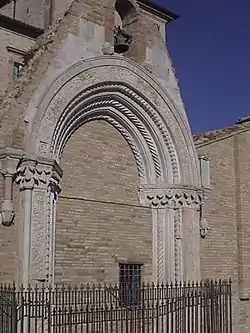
(203, 307)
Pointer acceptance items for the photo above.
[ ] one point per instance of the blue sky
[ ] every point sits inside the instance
(210, 47)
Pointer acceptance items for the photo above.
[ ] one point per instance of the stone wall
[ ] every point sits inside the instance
(31, 12)
(59, 7)
(225, 252)
(12, 49)
(68, 62)
(100, 221)
(71, 40)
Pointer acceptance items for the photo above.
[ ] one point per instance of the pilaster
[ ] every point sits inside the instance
(38, 180)
(176, 231)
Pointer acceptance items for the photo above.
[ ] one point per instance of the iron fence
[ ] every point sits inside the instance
(203, 307)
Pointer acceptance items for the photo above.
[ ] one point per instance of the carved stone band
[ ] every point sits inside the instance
(33, 173)
(172, 198)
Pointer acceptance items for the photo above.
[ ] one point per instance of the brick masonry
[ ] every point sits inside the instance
(99, 167)
(100, 222)
(225, 252)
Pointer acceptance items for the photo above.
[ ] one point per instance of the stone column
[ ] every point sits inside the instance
(39, 185)
(163, 244)
(175, 232)
(191, 243)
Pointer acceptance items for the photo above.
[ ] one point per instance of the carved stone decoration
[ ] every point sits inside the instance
(39, 235)
(172, 198)
(204, 226)
(39, 182)
(123, 93)
(178, 250)
(121, 114)
(171, 227)
(160, 246)
(29, 174)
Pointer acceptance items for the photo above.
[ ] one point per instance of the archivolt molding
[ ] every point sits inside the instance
(130, 127)
(127, 108)
(125, 133)
(159, 137)
(174, 137)
(145, 105)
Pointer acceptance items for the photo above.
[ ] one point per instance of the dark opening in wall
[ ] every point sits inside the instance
(130, 283)
(125, 16)
(124, 8)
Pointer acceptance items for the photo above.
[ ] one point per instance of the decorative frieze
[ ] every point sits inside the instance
(30, 176)
(172, 198)
(33, 173)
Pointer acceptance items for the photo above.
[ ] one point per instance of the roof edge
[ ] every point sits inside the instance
(210, 137)
(20, 27)
(157, 10)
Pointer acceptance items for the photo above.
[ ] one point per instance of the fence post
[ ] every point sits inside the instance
(13, 311)
(203, 307)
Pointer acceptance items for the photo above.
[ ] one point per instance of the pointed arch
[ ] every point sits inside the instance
(122, 93)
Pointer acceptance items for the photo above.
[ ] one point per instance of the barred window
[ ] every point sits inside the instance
(130, 282)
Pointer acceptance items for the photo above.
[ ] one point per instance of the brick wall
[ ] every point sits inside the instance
(225, 252)
(100, 222)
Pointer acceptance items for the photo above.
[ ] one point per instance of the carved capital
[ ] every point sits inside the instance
(172, 197)
(29, 175)
(33, 173)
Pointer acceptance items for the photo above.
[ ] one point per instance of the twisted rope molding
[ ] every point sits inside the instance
(160, 247)
(177, 245)
(127, 137)
(118, 87)
(60, 139)
(49, 237)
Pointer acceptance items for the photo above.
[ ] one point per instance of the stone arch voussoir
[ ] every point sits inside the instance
(161, 150)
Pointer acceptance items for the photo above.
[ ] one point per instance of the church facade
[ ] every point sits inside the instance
(101, 173)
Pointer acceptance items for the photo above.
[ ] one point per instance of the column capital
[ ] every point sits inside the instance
(171, 196)
(37, 172)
